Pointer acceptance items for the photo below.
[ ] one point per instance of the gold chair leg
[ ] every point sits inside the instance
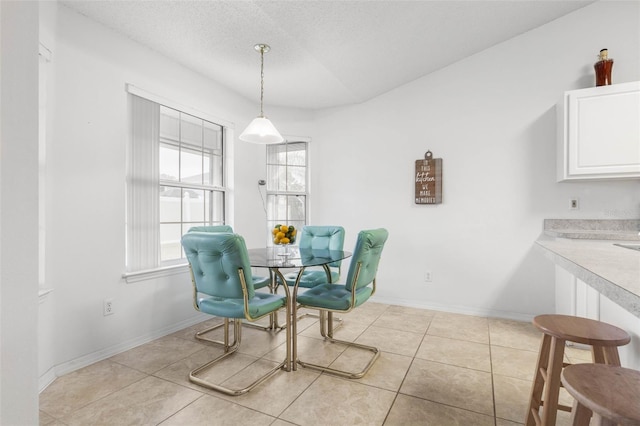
(225, 344)
(273, 324)
(230, 349)
(309, 314)
(327, 333)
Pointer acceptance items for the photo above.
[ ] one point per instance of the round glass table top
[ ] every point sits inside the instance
(293, 257)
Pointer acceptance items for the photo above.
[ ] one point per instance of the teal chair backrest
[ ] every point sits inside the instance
(367, 253)
(322, 238)
(211, 228)
(215, 259)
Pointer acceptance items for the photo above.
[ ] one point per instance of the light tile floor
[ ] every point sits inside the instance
(436, 368)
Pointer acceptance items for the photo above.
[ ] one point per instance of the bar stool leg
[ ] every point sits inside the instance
(611, 355)
(552, 390)
(580, 415)
(601, 421)
(538, 381)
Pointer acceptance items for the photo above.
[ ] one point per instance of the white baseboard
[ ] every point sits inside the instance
(67, 367)
(465, 310)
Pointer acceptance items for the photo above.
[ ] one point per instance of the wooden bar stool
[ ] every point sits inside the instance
(604, 340)
(611, 393)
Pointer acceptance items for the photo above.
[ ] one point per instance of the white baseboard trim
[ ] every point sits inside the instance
(67, 367)
(465, 310)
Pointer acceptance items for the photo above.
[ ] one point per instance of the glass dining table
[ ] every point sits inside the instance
(292, 257)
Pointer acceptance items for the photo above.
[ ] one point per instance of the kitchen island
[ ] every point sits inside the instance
(596, 278)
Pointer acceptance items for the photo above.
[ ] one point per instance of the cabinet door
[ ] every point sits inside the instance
(565, 292)
(612, 313)
(601, 137)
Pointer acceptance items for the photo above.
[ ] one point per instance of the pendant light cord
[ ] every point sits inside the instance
(261, 80)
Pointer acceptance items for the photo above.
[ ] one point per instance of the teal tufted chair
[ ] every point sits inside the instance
(223, 286)
(359, 287)
(258, 281)
(319, 238)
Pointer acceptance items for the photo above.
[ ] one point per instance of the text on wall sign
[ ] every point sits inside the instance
(429, 180)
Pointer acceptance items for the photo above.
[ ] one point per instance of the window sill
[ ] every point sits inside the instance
(150, 274)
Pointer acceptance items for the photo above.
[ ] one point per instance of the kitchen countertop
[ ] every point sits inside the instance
(613, 271)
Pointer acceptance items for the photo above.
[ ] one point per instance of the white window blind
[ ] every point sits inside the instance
(143, 245)
(175, 180)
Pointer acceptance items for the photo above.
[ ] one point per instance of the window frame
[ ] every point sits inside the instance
(177, 266)
(276, 192)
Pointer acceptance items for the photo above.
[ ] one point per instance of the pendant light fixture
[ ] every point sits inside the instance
(261, 130)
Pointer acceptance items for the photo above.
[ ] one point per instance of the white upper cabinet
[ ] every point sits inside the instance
(599, 133)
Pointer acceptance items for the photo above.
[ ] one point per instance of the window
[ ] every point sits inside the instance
(191, 172)
(176, 180)
(287, 184)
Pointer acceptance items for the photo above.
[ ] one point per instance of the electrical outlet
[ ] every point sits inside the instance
(427, 277)
(107, 308)
(574, 204)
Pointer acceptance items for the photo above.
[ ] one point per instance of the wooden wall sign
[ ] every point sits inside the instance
(429, 180)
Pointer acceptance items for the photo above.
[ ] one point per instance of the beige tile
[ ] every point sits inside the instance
(408, 410)
(427, 313)
(81, 387)
(46, 419)
(347, 330)
(460, 327)
(461, 353)
(516, 363)
(189, 332)
(403, 322)
(389, 340)
(333, 401)
(514, 334)
(157, 354)
(511, 397)
(253, 341)
(366, 313)
(435, 388)
(308, 320)
(274, 395)
(503, 422)
(207, 408)
(220, 372)
(258, 343)
(311, 350)
(387, 372)
(578, 355)
(280, 422)
(451, 385)
(148, 401)
(178, 372)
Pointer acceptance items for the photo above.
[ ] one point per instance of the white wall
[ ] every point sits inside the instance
(491, 118)
(86, 157)
(19, 213)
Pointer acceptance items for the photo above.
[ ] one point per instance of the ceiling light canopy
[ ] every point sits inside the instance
(261, 130)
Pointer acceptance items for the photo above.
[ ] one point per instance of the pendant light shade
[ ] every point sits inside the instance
(261, 130)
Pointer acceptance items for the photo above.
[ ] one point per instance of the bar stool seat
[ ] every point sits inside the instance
(612, 393)
(604, 340)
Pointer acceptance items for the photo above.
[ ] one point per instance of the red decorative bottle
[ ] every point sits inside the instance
(603, 69)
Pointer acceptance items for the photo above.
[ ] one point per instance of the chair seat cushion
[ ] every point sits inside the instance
(311, 278)
(334, 297)
(260, 282)
(261, 304)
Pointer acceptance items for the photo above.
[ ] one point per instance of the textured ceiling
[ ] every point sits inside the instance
(323, 53)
